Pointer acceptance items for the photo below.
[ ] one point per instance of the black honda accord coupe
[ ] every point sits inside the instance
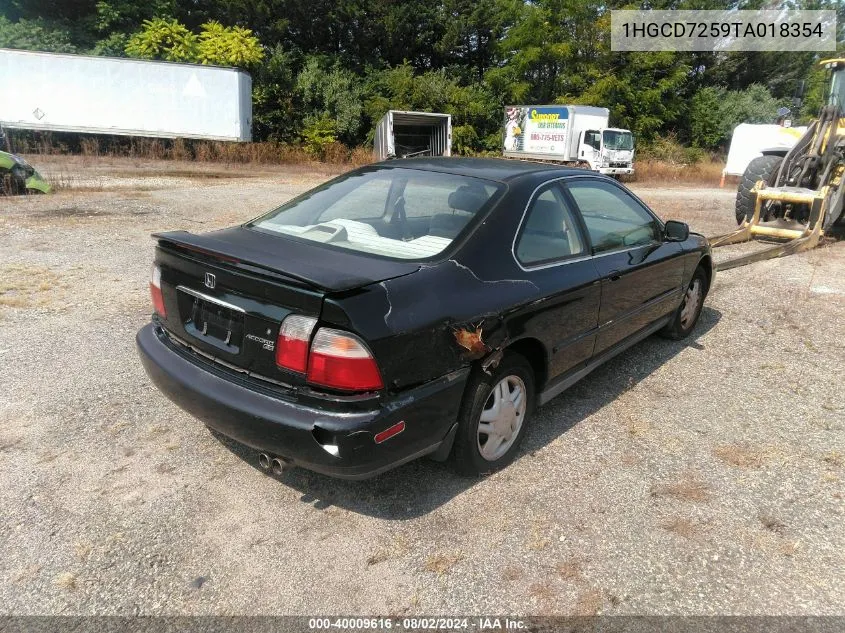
(413, 307)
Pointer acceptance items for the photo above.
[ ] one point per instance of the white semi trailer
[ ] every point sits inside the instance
(569, 134)
(104, 95)
(403, 134)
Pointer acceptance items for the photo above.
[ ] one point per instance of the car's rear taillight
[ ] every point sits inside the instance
(334, 359)
(155, 292)
(292, 344)
(340, 360)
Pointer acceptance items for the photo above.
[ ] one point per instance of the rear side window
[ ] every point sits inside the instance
(549, 232)
(614, 219)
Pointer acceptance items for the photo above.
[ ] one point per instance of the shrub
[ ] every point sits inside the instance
(318, 134)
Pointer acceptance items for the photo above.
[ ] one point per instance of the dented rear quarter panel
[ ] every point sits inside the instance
(415, 324)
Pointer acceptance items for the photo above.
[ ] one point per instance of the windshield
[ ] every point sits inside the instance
(614, 139)
(394, 212)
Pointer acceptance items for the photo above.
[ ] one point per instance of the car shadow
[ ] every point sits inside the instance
(421, 486)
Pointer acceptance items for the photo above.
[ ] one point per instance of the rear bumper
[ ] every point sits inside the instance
(268, 422)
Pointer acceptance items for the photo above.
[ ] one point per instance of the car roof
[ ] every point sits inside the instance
(501, 169)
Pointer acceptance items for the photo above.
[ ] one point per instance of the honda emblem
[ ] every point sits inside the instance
(210, 280)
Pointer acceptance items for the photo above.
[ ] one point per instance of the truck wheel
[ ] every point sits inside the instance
(761, 168)
(493, 417)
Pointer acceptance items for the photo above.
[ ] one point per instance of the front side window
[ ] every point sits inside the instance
(613, 217)
(394, 212)
(549, 232)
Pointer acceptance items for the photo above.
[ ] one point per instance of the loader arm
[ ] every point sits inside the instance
(807, 195)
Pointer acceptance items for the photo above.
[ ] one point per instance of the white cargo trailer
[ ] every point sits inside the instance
(402, 134)
(568, 134)
(104, 95)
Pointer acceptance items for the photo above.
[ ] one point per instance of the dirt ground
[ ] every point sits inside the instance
(696, 477)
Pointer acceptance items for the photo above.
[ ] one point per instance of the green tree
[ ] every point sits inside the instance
(472, 32)
(35, 35)
(170, 40)
(228, 46)
(274, 112)
(163, 38)
(328, 91)
(715, 112)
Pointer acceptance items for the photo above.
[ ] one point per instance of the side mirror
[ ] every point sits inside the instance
(675, 231)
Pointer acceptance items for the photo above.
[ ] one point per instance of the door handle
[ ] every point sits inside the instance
(615, 275)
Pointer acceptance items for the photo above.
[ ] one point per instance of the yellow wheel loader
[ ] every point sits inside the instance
(794, 197)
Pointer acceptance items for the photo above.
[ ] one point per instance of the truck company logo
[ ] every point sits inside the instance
(548, 114)
(544, 116)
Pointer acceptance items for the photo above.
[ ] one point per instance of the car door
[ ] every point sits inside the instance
(550, 245)
(641, 273)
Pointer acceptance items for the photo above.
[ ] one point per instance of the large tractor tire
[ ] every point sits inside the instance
(761, 168)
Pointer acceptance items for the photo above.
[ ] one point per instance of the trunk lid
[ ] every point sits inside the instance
(226, 293)
(307, 263)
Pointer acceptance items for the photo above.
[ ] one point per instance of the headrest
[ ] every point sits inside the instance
(467, 198)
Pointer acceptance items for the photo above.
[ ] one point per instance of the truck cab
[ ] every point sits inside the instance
(607, 150)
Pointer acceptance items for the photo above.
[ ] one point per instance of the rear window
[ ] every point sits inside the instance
(393, 212)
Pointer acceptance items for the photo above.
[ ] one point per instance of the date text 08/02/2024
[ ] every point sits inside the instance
(489, 623)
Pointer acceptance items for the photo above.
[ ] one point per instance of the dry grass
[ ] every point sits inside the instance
(771, 522)
(569, 569)
(688, 488)
(82, 550)
(637, 426)
(681, 527)
(441, 563)
(542, 592)
(66, 581)
(662, 172)
(834, 459)
(789, 548)
(26, 574)
(539, 537)
(589, 602)
(24, 286)
(266, 153)
(511, 573)
(739, 455)
(397, 548)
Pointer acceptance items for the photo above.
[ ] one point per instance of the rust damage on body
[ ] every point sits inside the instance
(429, 334)
(469, 338)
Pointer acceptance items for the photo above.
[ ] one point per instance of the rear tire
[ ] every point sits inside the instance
(761, 168)
(506, 401)
(686, 316)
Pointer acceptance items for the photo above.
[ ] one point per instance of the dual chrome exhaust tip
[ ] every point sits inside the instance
(276, 465)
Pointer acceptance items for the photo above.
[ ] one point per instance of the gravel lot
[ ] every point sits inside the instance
(700, 477)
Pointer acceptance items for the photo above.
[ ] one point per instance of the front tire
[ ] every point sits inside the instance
(761, 168)
(686, 316)
(493, 417)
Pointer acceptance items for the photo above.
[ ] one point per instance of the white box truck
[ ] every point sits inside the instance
(104, 95)
(569, 134)
(403, 134)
